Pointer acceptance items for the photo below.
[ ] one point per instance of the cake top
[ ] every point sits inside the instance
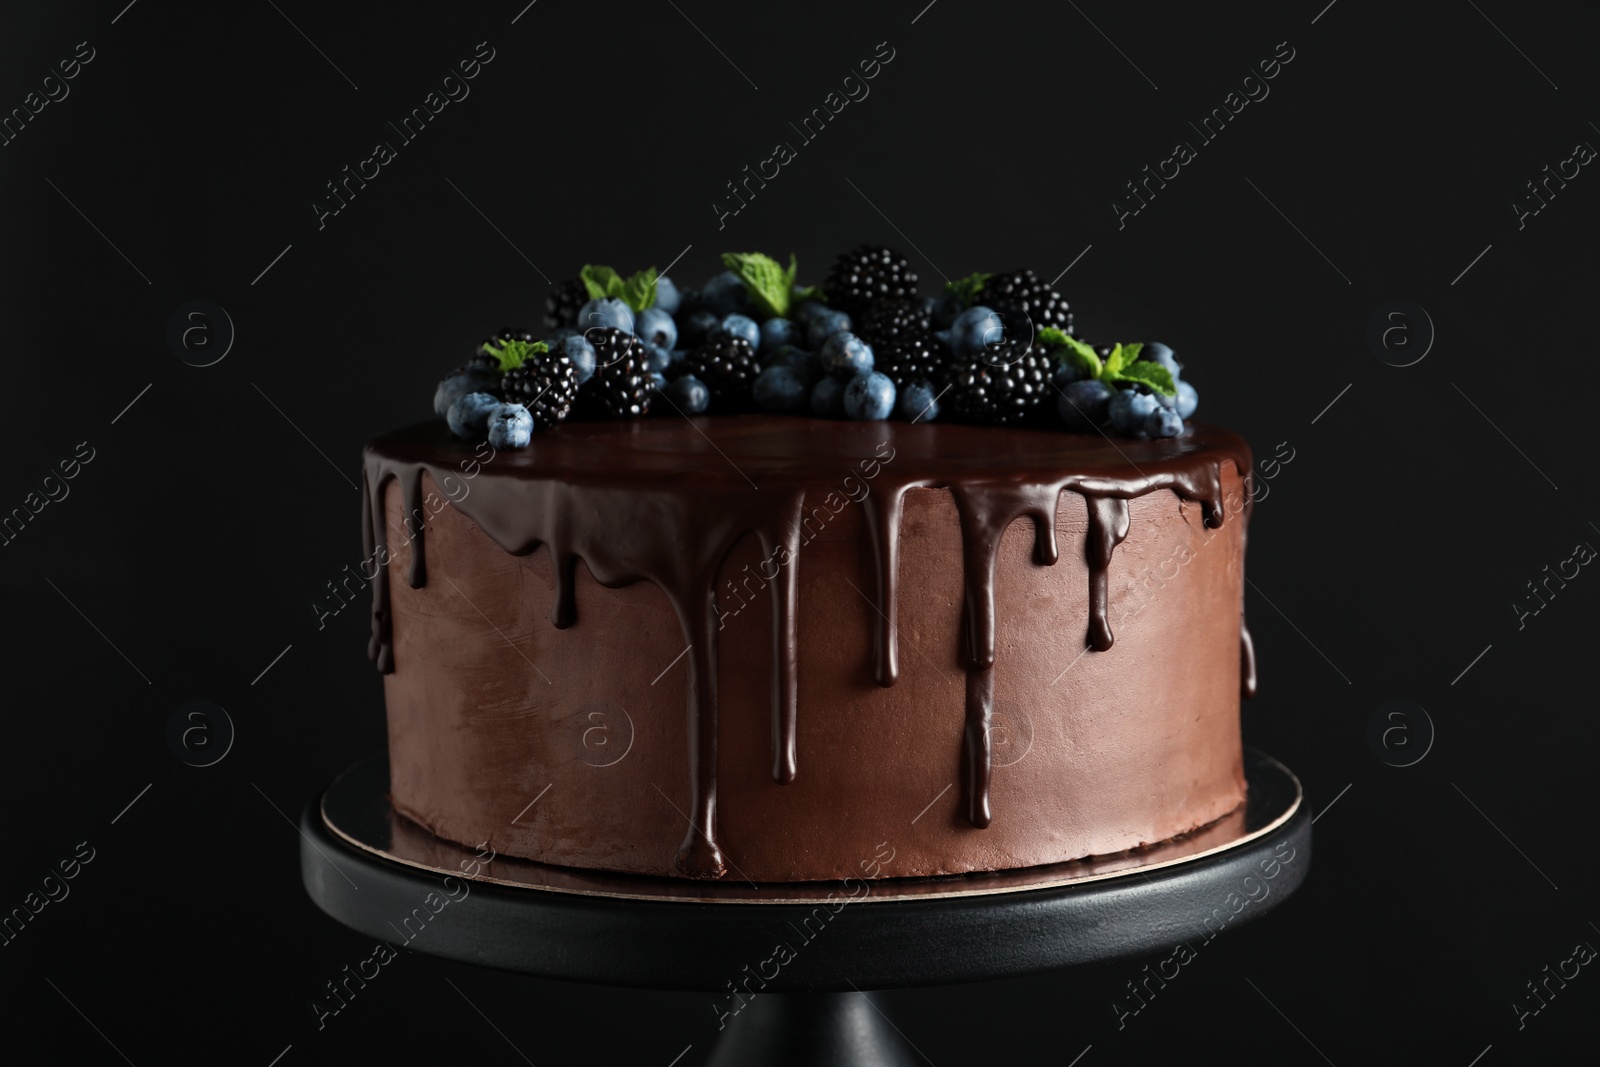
(745, 451)
(863, 346)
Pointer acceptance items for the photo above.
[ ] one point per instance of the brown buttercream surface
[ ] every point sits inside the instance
(593, 746)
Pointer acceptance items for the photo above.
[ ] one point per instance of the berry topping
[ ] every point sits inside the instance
(868, 397)
(1002, 385)
(621, 386)
(888, 320)
(727, 365)
(545, 385)
(866, 274)
(562, 305)
(510, 426)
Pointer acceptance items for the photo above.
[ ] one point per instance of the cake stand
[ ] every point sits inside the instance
(379, 874)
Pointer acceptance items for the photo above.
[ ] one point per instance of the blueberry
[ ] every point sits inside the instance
(1163, 423)
(775, 333)
(510, 426)
(558, 335)
(725, 294)
(608, 311)
(919, 402)
(1188, 400)
(678, 356)
(946, 309)
(469, 416)
(827, 398)
(801, 362)
(973, 331)
(658, 380)
(453, 388)
(845, 355)
(656, 357)
(780, 389)
(667, 296)
(1066, 372)
(577, 348)
(1129, 409)
(805, 311)
(1156, 352)
(688, 394)
(869, 397)
(655, 327)
(823, 325)
(1083, 404)
(697, 325)
(741, 326)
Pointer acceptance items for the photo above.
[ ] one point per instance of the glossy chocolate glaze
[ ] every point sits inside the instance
(665, 500)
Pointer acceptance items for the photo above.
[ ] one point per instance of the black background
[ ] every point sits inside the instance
(1385, 557)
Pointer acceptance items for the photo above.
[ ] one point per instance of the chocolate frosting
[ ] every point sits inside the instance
(664, 501)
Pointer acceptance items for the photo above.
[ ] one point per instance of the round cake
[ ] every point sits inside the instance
(787, 648)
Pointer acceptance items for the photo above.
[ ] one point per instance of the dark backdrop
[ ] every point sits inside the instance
(1385, 559)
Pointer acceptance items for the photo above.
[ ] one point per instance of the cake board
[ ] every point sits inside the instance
(377, 873)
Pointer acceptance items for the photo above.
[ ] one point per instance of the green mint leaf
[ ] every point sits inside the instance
(809, 292)
(639, 291)
(1154, 375)
(1053, 337)
(512, 354)
(1132, 351)
(788, 275)
(968, 288)
(601, 282)
(767, 283)
(1116, 361)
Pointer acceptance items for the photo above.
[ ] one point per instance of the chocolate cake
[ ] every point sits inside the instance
(779, 647)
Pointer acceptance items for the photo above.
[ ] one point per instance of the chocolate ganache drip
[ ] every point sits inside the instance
(664, 501)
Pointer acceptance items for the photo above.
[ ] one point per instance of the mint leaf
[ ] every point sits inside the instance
(968, 288)
(601, 282)
(809, 292)
(767, 283)
(512, 354)
(1132, 351)
(1154, 375)
(1115, 362)
(1054, 337)
(639, 291)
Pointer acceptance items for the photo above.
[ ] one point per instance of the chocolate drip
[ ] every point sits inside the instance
(881, 513)
(782, 550)
(1108, 525)
(649, 501)
(411, 503)
(699, 855)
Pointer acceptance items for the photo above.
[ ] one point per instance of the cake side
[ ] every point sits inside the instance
(967, 736)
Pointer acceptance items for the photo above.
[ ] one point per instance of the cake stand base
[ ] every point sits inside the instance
(812, 1029)
(787, 967)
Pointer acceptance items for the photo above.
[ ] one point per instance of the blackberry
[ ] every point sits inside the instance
(869, 273)
(1021, 290)
(727, 365)
(884, 321)
(561, 307)
(546, 385)
(483, 360)
(910, 356)
(1003, 385)
(621, 385)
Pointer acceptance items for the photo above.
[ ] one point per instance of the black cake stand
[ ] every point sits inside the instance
(801, 1003)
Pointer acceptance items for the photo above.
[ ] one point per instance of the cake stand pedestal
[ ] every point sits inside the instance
(379, 874)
